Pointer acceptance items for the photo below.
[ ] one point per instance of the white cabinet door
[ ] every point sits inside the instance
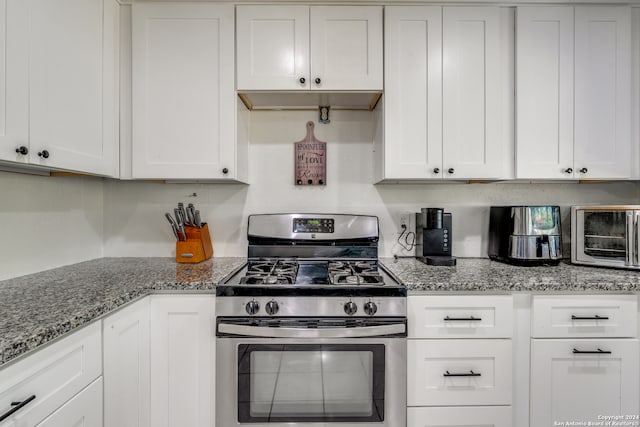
(309, 48)
(273, 47)
(182, 360)
(53, 375)
(413, 92)
(73, 84)
(184, 105)
(126, 366)
(580, 387)
(544, 67)
(346, 47)
(85, 409)
(470, 416)
(602, 92)
(472, 93)
(14, 80)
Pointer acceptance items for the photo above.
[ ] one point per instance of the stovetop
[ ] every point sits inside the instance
(305, 277)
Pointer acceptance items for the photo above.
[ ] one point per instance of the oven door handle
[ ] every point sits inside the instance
(270, 332)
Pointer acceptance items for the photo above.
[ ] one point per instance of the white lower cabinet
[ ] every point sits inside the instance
(85, 409)
(182, 360)
(582, 380)
(126, 366)
(465, 376)
(53, 376)
(469, 416)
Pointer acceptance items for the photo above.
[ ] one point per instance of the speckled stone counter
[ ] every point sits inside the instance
(41, 307)
(484, 275)
(38, 308)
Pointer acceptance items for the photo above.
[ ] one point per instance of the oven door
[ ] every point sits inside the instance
(311, 381)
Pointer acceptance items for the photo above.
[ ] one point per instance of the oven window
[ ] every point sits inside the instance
(605, 234)
(310, 383)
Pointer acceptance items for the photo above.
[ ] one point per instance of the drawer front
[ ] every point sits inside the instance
(53, 374)
(468, 416)
(459, 372)
(456, 316)
(584, 316)
(85, 409)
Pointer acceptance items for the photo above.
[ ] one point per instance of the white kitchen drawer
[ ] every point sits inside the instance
(54, 375)
(85, 409)
(439, 316)
(430, 364)
(572, 316)
(485, 416)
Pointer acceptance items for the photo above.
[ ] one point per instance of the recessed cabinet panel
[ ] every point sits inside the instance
(346, 47)
(602, 90)
(472, 92)
(470, 416)
(413, 92)
(183, 97)
(544, 63)
(459, 372)
(580, 380)
(273, 47)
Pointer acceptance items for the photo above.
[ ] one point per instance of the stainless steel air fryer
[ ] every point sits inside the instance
(525, 235)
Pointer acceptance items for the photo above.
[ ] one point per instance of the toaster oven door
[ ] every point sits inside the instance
(606, 237)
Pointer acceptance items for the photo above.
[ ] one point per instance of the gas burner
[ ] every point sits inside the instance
(274, 272)
(367, 278)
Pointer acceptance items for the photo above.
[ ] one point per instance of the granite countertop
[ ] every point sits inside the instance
(44, 306)
(41, 307)
(484, 275)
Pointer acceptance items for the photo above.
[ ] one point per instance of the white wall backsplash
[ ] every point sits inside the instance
(134, 211)
(47, 222)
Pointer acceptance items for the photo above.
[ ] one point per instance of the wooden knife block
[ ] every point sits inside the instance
(197, 247)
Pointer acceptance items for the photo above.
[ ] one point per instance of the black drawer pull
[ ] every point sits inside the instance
(466, 374)
(596, 317)
(16, 407)
(462, 319)
(598, 351)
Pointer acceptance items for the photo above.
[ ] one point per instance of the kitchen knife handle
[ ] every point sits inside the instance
(173, 225)
(196, 216)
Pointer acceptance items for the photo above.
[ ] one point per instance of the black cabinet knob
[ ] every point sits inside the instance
(568, 170)
(225, 171)
(302, 80)
(584, 170)
(299, 182)
(451, 170)
(436, 170)
(321, 181)
(318, 81)
(309, 181)
(22, 150)
(44, 154)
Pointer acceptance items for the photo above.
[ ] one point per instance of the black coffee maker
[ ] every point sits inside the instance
(433, 237)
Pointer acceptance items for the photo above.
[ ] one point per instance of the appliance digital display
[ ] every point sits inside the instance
(313, 225)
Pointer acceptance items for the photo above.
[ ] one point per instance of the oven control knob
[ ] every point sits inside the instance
(370, 308)
(271, 307)
(253, 307)
(350, 308)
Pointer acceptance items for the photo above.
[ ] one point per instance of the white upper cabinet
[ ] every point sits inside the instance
(573, 94)
(446, 77)
(60, 83)
(14, 81)
(185, 112)
(309, 48)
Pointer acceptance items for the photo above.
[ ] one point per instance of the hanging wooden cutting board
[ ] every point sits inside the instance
(310, 160)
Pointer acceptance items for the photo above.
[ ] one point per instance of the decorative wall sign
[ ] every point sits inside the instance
(310, 160)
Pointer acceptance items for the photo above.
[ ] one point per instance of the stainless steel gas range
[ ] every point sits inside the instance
(312, 331)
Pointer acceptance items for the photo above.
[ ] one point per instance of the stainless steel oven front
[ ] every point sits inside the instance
(311, 372)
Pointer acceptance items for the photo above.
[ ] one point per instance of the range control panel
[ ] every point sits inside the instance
(313, 225)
